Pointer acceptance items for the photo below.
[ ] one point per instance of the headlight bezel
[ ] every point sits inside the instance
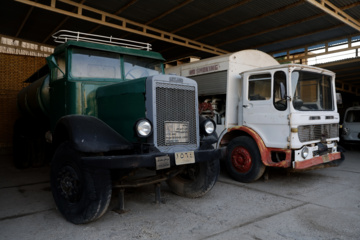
(141, 127)
(305, 152)
(207, 127)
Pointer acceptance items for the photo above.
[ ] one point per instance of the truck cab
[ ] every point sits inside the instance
(292, 107)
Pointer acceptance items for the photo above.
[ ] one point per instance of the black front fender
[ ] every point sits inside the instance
(207, 140)
(88, 134)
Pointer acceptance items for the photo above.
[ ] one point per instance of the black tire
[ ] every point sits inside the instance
(196, 180)
(82, 194)
(243, 160)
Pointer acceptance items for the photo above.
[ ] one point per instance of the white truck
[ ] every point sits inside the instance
(267, 114)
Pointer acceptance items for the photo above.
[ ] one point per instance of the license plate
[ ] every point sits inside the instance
(162, 162)
(325, 158)
(184, 158)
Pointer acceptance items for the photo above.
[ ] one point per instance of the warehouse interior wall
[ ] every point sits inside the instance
(14, 70)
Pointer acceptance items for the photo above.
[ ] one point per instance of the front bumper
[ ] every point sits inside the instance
(147, 160)
(317, 161)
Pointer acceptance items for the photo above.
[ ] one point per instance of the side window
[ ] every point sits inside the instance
(280, 102)
(259, 87)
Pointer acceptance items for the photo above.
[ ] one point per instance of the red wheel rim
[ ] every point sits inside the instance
(241, 159)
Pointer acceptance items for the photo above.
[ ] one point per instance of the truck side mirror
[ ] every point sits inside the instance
(338, 98)
(53, 64)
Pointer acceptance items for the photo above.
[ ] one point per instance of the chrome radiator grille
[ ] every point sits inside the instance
(316, 132)
(175, 103)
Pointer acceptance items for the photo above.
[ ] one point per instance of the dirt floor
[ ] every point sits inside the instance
(319, 204)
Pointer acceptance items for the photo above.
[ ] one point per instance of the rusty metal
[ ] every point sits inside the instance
(310, 163)
(241, 159)
(265, 152)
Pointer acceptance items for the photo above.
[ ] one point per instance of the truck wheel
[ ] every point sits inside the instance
(196, 180)
(243, 160)
(82, 194)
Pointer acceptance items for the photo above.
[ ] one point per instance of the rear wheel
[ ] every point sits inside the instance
(82, 194)
(243, 160)
(196, 179)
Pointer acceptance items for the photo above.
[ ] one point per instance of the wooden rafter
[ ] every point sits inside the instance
(61, 24)
(236, 24)
(24, 21)
(306, 54)
(212, 15)
(164, 14)
(124, 24)
(169, 11)
(250, 20)
(336, 12)
(284, 26)
(115, 13)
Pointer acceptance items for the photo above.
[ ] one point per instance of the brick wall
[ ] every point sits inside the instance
(14, 70)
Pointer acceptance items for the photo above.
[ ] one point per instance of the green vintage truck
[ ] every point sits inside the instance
(103, 110)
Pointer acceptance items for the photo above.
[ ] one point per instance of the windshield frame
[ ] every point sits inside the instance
(118, 76)
(316, 93)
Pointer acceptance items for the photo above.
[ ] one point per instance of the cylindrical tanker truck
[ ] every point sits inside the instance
(104, 111)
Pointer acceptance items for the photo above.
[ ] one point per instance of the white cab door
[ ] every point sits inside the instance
(265, 106)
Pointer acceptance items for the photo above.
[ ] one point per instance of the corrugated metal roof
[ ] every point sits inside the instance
(231, 25)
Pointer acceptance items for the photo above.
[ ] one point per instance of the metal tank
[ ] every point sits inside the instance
(34, 100)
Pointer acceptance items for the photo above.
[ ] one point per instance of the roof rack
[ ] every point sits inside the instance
(63, 36)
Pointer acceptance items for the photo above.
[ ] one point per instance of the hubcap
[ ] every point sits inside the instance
(68, 184)
(241, 159)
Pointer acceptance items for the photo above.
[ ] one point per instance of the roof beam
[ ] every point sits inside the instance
(115, 13)
(169, 11)
(24, 21)
(282, 26)
(164, 14)
(236, 24)
(212, 15)
(124, 25)
(327, 51)
(336, 12)
(61, 23)
(250, 20)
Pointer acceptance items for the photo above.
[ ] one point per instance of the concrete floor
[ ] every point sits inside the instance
(319, 204)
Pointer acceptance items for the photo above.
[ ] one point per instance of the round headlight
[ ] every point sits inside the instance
(209, 127)
(305, 152)
(143, 128)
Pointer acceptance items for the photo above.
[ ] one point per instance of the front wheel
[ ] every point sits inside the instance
(196, 179)
(82, 194)
(243, 160)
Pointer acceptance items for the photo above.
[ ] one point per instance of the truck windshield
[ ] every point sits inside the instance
(311, 91)
(86, 63)
(352, 116)
(137, 67)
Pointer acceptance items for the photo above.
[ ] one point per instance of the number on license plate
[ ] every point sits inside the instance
(184, 158)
